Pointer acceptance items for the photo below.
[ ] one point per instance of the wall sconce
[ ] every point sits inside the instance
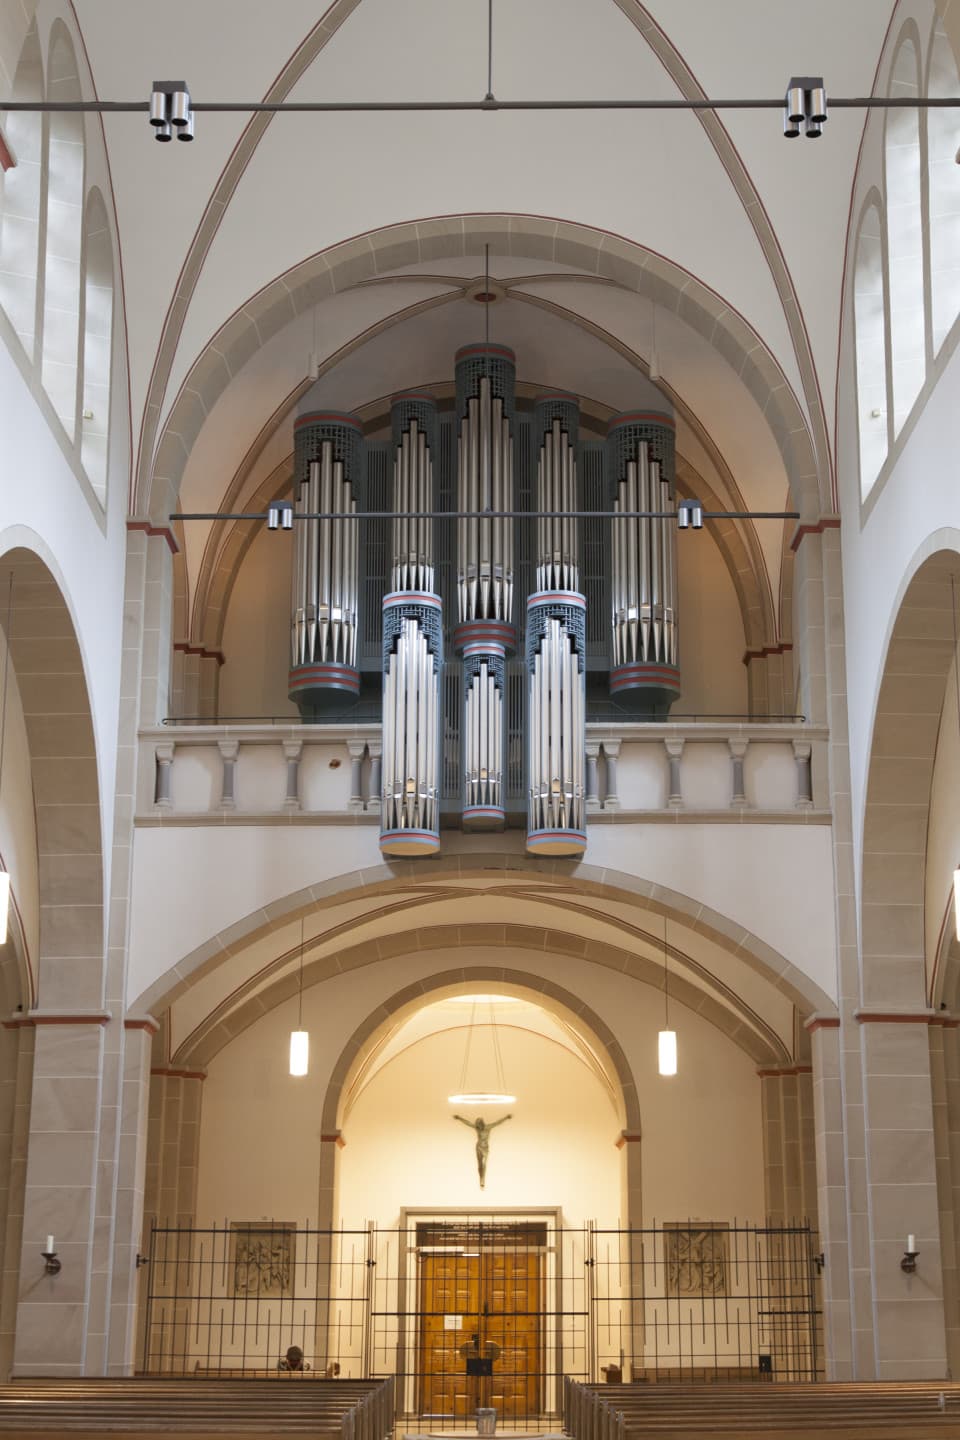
(909, 1261)
(51, 1262)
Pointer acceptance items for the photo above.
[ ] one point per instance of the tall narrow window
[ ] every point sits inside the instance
(61, 274)
(97, 343)
(944, 174)
(20, 220)
(905, 237)
(871, 348)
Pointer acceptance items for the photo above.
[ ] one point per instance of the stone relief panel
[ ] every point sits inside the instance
(696, 1256)
(261, 1258)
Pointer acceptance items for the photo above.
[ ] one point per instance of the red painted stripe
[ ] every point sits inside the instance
(413, 395)
(557, 395)
(336, 417)
(163, 530)
(781, 649)
(146, 1022)
(412, 597)
(466, 351)
(186, 648)
(564, 597)
(174, 1074)
(7, 160)
(829, 522)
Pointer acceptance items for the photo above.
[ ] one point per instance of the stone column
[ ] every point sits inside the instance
(943, 1075)
(229, 750)
(630, 1144)
(375, 798)
(611, 754)
(17, 1041)
(789, 1159)
(738, 749)
(356, 750)
(674, 749)
(592, 798)
(292, 752)
(163, 790)
(831, 1194)
(802, 751)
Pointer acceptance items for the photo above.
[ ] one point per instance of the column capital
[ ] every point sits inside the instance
(611, 748)
(356, 749)
(738, 746)
(229, 749)
(292, 749)
(674, 747)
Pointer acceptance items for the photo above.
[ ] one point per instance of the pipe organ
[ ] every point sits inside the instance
(645, 654)
(463, 506)
(412, 644)
(327, 467)
(556, 645)
(485, 377)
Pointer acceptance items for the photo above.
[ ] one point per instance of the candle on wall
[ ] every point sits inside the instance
(49, 1250)
(911, 1244)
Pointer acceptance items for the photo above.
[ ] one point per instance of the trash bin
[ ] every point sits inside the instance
(486, 1421)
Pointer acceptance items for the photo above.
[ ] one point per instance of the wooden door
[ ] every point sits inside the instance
(480, 1299)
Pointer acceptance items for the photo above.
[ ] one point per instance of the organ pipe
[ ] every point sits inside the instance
(556, 644)
(645, 635)
(325, 572)
(412, 646)
(485, 381)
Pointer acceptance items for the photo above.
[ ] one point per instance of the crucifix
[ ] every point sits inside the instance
(482, 1129)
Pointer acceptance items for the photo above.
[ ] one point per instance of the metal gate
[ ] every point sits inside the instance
(680, 1301)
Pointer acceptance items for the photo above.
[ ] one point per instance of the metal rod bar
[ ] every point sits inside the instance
(492, 515)
(490, 102)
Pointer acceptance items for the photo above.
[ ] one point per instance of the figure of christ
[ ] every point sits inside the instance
(483, 1141)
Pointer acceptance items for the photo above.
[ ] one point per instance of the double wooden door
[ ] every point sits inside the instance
(482, 1301)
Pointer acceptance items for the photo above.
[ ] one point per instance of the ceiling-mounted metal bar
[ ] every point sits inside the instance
(491, 515)
(297, 107)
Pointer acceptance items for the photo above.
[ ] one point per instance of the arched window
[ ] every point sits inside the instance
(870, 326)
(20, 220)
(905, 237)
(64, 230)
(944, 175)
(97, 343)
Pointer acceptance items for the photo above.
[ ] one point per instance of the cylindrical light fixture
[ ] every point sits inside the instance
(299, 1052)
(300, 1038)
(667, 1052)
(4, 905)
(667, 1038)
(956, 899)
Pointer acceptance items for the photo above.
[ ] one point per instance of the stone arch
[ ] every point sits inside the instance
(577, 879)
(598, 252)
(67, 971)
(917, 661)
(276, 983)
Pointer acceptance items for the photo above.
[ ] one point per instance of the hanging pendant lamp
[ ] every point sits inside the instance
(300, 1038)
(497, 1094)
(667, 1038)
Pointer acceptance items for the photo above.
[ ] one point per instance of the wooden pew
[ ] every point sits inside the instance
(764, 1411)
(194, 1409)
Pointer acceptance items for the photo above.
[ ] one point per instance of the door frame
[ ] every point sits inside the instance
(409, 1279)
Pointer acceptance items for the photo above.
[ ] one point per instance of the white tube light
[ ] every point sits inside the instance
(4, 904)
(482, 1097)
(956, 899)
(299, 1052)
(667, 1052)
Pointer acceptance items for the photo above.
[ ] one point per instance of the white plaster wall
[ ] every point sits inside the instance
(774, 880)
(702, 1151)
(44, 508)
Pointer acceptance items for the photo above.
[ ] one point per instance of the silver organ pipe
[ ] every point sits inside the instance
(324, 608)
(645, 638)
(412, 645)
(556, 646)
(484, 634)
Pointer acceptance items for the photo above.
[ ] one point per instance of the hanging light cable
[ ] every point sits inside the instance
(497, 1095)
(956, 679)
(299, 1038)
(4, 874)
(667, 1038)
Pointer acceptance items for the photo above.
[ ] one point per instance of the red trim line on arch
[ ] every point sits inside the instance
(783, 648)
(829, 522)
(163, 530)
(186, 648)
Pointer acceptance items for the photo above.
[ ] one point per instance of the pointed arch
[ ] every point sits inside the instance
(870, 335)
(22, 189)
(63, 234)
(943, 79)
(904, 213)
(97, 343)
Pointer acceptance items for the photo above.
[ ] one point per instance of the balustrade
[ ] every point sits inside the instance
(748, 771)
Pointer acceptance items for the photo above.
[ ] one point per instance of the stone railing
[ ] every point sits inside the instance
(261, 773)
